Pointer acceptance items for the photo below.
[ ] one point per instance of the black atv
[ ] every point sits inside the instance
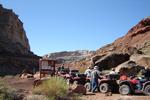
(110, 83)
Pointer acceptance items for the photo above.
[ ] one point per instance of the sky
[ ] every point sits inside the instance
(68, 25)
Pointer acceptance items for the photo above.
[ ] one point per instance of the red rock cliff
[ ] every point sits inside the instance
(15, 54)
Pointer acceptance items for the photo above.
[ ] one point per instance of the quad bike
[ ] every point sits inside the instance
(107, 83)
(74, 77)
(110, 83)
(87, 84)
(63, 73)
(130, 86)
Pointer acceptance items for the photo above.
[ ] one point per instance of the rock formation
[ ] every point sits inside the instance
(136, 41)
(15, 54)
(69, 57)
(112, 60)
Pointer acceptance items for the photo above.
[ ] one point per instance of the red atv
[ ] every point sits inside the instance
(63, 73)
(131, 86)
(75, 77)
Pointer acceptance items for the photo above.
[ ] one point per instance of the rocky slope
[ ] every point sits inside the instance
(15, 54)
(136, 41)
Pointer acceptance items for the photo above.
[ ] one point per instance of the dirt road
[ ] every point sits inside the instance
(18, 83)
(100, 96)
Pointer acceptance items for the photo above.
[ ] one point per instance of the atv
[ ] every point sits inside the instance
(109, 83)
(87, 84)
(130, 86)
(74, 77)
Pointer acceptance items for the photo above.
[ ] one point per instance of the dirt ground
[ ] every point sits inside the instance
(19, 84)
(26, 85)
(100, 96)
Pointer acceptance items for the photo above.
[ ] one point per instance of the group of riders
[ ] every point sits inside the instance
(95, 74)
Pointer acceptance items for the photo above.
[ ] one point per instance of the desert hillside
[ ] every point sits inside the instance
(137, 40)
(69, 58)
(135, 43)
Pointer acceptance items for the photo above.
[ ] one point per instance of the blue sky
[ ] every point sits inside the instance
(64, 25)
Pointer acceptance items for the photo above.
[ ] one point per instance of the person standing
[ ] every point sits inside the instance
(88, 72)
(112, 71)
(95, 75)
(146, 73)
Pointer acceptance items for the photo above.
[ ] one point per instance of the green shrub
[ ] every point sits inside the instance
(53, 87)
(6, 92)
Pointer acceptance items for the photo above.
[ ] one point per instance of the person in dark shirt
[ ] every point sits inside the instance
(146, 73)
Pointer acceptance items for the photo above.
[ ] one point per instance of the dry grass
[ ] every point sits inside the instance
(6, 92)
(82, 69)
(53, 87)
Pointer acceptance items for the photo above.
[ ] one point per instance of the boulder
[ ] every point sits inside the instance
(112, 60)
(37, 75)
(142, 60)
(80, 89)
(128, 68)
(25, 76)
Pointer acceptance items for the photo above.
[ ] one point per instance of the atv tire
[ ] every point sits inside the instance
(104, 87)
(88, 86)
(147, 90)
(124, 89)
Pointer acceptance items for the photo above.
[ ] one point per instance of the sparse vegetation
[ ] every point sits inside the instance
(82, 69)
(6, 92)
(52, 88)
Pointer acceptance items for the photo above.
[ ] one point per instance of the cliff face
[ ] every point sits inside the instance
(15, 51)
(12, 33)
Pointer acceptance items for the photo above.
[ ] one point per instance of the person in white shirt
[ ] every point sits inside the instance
(88, 72)
(112, 71)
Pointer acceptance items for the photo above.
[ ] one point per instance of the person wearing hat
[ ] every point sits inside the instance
(112, 71)
(95, 75)
(88, 72)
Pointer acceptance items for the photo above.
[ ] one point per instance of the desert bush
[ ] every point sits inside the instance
(82, 69)
(53, 87)
(6, 92)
